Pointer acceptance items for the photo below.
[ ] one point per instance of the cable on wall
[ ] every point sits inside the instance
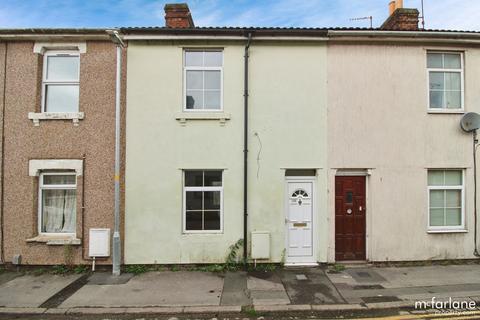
(259, 152)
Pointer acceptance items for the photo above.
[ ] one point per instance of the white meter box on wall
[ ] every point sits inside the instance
(99, 243)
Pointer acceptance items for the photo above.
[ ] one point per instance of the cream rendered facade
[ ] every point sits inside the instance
(287, 130)
(378, 120)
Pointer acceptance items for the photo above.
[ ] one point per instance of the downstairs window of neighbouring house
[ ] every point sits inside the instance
(446, 200)
(203, 200)
(57, 203)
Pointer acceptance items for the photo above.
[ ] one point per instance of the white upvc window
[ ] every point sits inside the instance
(57, 203)
(202, 201)
(60, 81)
(446, 199)
(203, 80)
(445, 81)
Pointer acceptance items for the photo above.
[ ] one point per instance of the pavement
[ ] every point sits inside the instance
(360, 289)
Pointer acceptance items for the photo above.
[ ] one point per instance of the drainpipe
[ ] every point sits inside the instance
(245, 152)
(116, 250)
(2, 184)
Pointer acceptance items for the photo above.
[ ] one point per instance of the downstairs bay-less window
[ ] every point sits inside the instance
(203, 80)
(60, 81)
(57, 202)
(445, 79)
(203, 205)
(446, 200)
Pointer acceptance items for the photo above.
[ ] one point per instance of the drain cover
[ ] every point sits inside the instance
(301, 277)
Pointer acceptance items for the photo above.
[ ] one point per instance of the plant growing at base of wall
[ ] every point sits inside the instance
(231, 262)
(68, 255)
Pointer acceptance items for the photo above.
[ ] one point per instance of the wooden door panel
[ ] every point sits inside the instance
(350, 218)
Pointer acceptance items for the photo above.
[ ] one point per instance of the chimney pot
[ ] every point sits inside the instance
(177, 15)
(391, 7)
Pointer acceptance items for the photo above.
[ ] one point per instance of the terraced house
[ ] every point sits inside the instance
(57, 95)
(306, 145)
(313, 145)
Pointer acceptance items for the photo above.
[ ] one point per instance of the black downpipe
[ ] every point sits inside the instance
(245, 152)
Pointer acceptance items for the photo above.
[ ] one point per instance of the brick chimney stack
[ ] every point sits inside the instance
(177, 15)
(401, 18)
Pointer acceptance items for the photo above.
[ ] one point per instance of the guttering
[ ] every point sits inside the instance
(223, 38)
(116, 243)
(245, 150)
(404, 36)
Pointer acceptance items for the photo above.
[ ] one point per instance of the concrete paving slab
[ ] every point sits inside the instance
(22, 310)
(153, 289)
(32, 291)
(103, 278)
(235, 289)
(335, 307)
(8, 276)
(316, 288)
(264, 281)
(430, 275)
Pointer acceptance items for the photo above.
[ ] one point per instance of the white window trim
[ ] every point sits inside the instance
(446, 229)
(45, 82)
(35, 166)
(42, 47)
(184, 207)
(42, 187)
(185, 69)
(462, 82)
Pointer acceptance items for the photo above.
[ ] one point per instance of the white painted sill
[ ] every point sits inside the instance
(56, 240)
(445, 111)
(74, 116)
(433, 231)
(183, 117)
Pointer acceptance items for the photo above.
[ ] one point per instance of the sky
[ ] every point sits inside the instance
(439, 14)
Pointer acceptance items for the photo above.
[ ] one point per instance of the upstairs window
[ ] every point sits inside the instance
(60, 84)
(203, 73)
(57, 202)
(203, 194)
(446, 200)
(445, 76)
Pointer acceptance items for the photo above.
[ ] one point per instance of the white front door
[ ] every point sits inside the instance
(299, 222)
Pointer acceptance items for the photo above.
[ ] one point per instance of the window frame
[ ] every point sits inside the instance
(446, 229)
(184, 206)
(45, 82)
(462, 81)
(202, 68)
(42, 186)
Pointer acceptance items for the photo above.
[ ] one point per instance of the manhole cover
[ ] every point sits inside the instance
(301, 277)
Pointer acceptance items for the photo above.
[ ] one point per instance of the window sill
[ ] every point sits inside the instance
(445, 111)
(200, 115)
(448, 231)
(74, 116)
(53, 240)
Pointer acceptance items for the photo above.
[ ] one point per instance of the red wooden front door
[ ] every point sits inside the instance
(350, 222)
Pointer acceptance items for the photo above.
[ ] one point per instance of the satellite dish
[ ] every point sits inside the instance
(470, 122)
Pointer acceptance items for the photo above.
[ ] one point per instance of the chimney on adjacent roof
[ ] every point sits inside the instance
(177, 15)
(401, 18)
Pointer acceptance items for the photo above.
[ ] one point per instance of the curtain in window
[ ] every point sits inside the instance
(59, 207)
